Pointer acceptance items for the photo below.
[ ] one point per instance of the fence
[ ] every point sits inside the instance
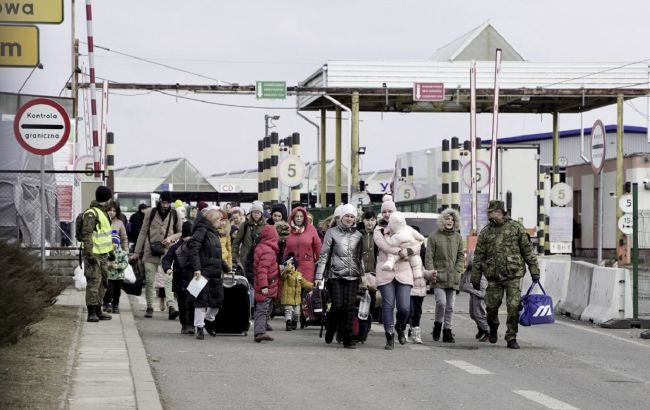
(20, 208)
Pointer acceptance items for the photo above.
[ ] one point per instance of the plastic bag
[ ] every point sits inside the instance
(129, 275)
(159, 282)
(79, 278)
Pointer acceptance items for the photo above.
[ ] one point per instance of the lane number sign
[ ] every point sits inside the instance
(561, 194)
(291, 171)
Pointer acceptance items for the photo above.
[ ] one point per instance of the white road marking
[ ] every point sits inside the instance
(546, 401)
(468, 367)
(586, 329)
(418, 347)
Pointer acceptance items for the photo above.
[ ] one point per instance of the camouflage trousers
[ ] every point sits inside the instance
(493, 298)
(97, 279)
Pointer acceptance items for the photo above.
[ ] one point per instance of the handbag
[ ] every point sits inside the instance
(536, 309)
(135, 288)
(157, 248)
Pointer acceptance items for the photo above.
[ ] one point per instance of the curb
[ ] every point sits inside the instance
(144, 385)
(71, 360)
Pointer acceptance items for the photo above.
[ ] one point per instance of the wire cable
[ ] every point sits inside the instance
(160, 64)
(597, 72)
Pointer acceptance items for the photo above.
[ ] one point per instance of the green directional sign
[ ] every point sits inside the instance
(276, 90)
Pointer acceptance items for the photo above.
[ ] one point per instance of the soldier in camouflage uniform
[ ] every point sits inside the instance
(502, 253)
(97, 252)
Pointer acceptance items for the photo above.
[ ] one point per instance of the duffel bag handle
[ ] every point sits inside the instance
(533, 285)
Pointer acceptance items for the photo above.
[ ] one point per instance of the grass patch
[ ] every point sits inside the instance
(33, 372)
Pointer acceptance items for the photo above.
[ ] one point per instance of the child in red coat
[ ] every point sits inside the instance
(266, 273)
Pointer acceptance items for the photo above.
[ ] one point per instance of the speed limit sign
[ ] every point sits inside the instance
(291, 171)
(561, 194)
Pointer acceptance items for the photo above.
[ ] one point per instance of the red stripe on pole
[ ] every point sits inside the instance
(93, 107)
(91, 44)
(95, 138)
(89, 12)
(92, 75)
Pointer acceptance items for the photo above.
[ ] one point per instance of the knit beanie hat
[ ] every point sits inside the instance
(178, 203)
(166, 196)
(257, 206)
(337, 211)
(388, 204)
(115, 236)
(348, 209)
(103, 194)
(280, 208)
(282, 228)
(201, 205)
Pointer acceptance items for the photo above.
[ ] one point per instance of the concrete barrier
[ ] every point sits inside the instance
(578, 289)
(610, 296)
(554, 277)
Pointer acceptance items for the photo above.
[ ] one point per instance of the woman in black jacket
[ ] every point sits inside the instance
(204, 249)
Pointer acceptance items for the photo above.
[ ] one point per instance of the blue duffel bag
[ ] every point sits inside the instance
(536, 309)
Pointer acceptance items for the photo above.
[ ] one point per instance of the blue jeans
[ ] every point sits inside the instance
(395, 292)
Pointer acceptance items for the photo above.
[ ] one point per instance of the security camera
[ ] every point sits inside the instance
(646, 181)
(612, 193)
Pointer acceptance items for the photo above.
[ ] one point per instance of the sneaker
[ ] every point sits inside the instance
(263, 337)
(199, 333)
(485, 337)
(149, 312)
(512, 344)
(116, 309)
(107, 308)
(173, 313)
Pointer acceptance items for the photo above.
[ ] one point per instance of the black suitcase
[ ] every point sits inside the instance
(235, 314)
(135, 288)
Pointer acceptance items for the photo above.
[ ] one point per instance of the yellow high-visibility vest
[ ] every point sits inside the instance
(102, 240)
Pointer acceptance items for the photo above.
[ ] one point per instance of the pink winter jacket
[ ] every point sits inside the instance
(402, 272)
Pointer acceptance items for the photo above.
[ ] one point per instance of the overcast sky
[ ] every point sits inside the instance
(245, 41)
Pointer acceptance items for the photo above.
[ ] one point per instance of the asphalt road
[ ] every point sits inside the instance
(565, 365)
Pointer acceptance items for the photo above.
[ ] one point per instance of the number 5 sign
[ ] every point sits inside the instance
(561, 194)
(291, 171)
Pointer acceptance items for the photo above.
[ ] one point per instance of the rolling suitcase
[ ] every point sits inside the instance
(312, 310)
(235, 314)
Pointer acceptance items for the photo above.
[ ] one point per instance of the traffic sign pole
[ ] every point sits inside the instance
(42, 212)
(635, 250)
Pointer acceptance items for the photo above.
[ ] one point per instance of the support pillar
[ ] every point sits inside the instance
(354, 144)
(455, 174)
(621, 238)
(445, 174)
(267, 169)
(323, 158)
(556, 149)
(337, 160)
(110, 160)
(275, 154)
(260, 169)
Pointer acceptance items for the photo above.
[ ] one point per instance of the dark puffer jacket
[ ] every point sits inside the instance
(445, 252)
(204, 252)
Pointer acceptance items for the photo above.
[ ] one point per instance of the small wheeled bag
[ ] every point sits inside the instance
(536, 309)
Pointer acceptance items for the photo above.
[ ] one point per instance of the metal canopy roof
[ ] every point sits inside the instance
(525, 87)
(478, 44)
(177, 173)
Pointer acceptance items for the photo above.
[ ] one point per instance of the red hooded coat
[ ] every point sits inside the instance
(265, 264)
(305, 244)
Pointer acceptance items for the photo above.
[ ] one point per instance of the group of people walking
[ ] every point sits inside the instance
(285, 256)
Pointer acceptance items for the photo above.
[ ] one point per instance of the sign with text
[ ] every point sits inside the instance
(19, 46)
(597, 146)
(32, 11)
(428, 92)
(561, 229)
(271, 90)
(42, 126)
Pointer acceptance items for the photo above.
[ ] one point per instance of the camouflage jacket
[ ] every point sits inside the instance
(503, 251)
(116, 272)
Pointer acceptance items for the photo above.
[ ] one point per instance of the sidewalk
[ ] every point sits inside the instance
(111, 370)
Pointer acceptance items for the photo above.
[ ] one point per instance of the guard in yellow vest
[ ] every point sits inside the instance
(97, 252)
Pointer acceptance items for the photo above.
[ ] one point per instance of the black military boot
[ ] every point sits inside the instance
(512, 344)
(437, 328)
(447, 336)
(493, 334)
(92, 315)
(289, 327)
(390, 341)
(101, 315)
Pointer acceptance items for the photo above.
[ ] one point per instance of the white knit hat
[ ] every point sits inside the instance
(337, 211)
(388, 204)
(348, 209)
